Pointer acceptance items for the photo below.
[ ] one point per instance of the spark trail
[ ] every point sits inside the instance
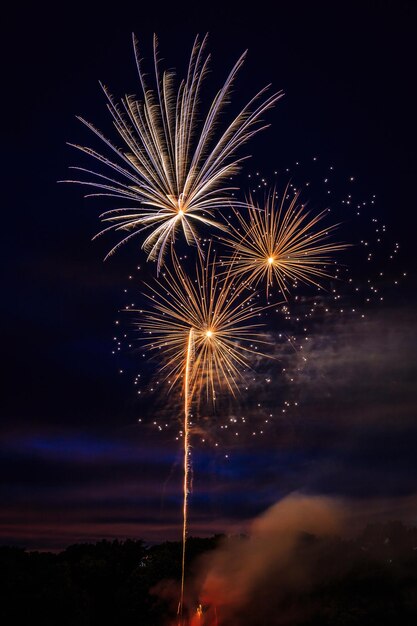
(206, 329)
(186, 484)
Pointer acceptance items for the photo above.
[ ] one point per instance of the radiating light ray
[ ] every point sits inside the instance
(172, 165)
(280, 241)
(224, 319)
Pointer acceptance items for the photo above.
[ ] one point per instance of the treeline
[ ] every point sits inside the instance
(109, 583)
(101, 584)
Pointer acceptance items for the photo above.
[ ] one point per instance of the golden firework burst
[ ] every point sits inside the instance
(280, 241)
(175, 166)
(224, 320)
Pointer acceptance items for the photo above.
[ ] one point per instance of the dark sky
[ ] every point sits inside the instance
(75, 463)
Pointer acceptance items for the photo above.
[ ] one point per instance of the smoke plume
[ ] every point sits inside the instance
(269, 577)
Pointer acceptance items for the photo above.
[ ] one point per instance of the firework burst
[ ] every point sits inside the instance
(224, 320)
(173, 167)
(280, 241)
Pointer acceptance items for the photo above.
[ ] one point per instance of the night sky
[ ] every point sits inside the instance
(76, 462)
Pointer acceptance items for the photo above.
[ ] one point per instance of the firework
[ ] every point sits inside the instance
(222, 315)
(281, 242)
(174, 168)
(205, 331)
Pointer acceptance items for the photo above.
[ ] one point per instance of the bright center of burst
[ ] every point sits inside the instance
(271, 260)
(180, 213)
(209, 333)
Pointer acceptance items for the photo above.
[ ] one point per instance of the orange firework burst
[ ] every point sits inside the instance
(173, 165)
(280, 241)
(222, 316)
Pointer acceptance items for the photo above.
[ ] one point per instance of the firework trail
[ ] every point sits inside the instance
(205, 328)
(172, 167)
(187, 461)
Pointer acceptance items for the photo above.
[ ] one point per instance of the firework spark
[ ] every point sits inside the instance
(280, 241)
(173, 167)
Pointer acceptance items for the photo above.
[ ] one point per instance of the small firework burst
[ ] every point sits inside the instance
(280, 241)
